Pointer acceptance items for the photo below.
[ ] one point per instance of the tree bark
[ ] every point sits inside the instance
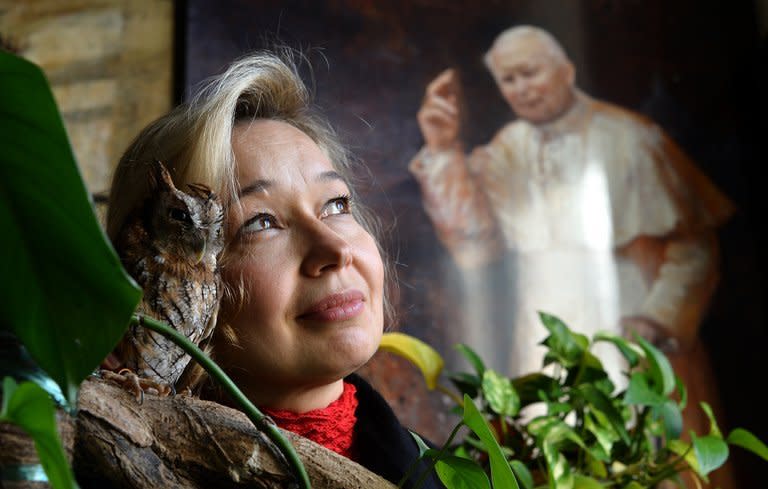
(184, 442)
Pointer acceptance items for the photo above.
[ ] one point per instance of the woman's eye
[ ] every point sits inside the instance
(260, 222)
(339, 205)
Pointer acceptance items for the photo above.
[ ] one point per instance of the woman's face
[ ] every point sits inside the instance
(312, 276)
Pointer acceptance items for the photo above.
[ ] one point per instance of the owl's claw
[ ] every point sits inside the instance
(136, 385)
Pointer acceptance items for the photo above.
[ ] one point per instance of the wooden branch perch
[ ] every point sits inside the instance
(183, 442)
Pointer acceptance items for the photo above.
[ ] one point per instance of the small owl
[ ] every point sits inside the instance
(170, 247)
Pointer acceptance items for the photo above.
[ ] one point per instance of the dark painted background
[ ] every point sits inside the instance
(696, 67)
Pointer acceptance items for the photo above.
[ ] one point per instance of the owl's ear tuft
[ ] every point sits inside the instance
(201, 191)
(160, 177)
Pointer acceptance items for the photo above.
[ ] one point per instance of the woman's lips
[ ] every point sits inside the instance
(336, 307)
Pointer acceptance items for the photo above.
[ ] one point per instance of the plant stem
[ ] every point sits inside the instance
(253, 413)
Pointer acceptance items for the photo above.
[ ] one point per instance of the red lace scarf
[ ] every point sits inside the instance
(331, 427)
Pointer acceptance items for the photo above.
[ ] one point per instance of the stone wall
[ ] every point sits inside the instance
(110, 65)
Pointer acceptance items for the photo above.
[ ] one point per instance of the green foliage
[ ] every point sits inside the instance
(30, 407)
(64, 294)
(582, 433)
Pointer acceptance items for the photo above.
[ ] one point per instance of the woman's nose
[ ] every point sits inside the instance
(326, 250)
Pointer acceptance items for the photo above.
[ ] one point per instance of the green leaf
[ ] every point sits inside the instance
(662, 376)
(555, 408)
(522, 474)
(711, 452)
(566, 346)
(28, 406)
(596, 467)
(588, 370)
(501, 473)
(630, 351)
(472, 357)
(602, 403)
(714, 430)
(584, 482)
(500, 394)
(744, 439)
(466, 383)
(640, 393)
(423, 447)
(65, 294)
(529, 386)
(417, 352)
(634, 485)
(553, 431)
(682, 392)
(460, 473)
(670, 414)
(685, 450)
(560, 476)
(606, 436)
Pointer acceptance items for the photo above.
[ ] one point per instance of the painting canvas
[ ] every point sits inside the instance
(596, 164)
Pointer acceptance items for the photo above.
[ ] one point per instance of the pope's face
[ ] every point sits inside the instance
(312, 275)
(538, 87)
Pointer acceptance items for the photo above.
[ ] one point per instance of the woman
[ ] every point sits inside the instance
(305, 304)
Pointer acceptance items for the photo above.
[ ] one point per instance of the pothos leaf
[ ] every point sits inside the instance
(640, 393)
(743, 438)
(472, 357)
(461, 473)
(711, 452)
(560, 476)
(602, 403)
(670, 414)
(584, 482)
(714, 430)
(660, 370)
(500, 394)
(631, 352)
(566, 346)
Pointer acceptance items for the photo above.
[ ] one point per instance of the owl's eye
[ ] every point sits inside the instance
(179, 215)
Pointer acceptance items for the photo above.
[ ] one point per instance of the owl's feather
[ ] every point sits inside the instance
(170, 247)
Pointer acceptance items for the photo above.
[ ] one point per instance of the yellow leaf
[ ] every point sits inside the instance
(417, 352)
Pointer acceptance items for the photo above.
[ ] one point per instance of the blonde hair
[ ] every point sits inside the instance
(194, 141)
(521, 32)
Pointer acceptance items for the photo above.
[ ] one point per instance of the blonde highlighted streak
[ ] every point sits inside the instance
(195, 142)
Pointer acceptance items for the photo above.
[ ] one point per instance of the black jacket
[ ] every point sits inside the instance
(381, 444)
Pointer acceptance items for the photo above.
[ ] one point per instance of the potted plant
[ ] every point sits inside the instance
(589, 435)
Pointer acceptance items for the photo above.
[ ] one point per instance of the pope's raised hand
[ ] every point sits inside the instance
(439, 114)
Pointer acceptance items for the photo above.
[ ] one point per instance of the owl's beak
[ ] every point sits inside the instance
(200, 254)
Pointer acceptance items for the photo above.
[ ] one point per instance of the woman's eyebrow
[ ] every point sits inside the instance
(327, 176)
(261, 185)
(256, 187)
